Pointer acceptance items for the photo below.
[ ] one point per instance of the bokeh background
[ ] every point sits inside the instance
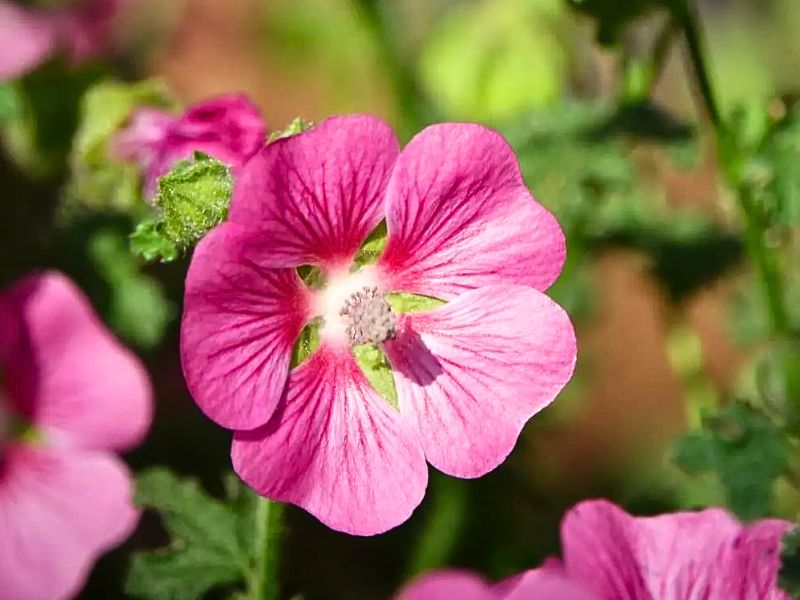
(656, 282)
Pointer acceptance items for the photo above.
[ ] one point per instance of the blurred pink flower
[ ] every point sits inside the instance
(228, 128)
(65, 498)
(610, 555)
(462, 227)
(30, 36)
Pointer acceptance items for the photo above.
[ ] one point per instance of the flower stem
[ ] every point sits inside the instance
(264, 584)
(767, 267)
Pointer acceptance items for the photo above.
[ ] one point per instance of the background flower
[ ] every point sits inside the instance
(74, 396)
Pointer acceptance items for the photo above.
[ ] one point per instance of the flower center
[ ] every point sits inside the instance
(368, 317)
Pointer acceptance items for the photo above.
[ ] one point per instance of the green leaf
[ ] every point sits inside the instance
(98, 180)
(773, 172)
(39, 136)
(789, 574)
(298, 125)
(194, 197)
(151, 243)
(211, 543)
(489, 60)
(372, 247)
(403, 302)
(10, 103)
(306, 343)
(139, 310)
(745, 449)
(377, 371)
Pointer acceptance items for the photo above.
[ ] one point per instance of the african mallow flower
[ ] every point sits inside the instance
(29, 36)
(228, 128)
(70, 396)
(610, 555)
(461, 227)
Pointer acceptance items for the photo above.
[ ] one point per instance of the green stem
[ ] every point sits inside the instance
(642, 74)
(767, 267)
(686, 15)
(264, 584)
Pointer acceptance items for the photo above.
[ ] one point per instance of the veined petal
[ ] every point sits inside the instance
(750, 568)
(59, 511)
(449, 585)
(335, 448)
(27, 38)
(460, 217)
(547, 583)
(471, 373)
(317, 195)
(66, 373)
(670, 557)
(240, 322)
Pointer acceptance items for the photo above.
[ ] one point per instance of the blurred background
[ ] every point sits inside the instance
(605, 124)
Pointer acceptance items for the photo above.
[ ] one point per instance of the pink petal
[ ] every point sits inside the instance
(27, 38)
(240, 322)
(670, 557)
(449, 585)
(141, 139)
(335, 448)
(471, 373)
(59, 511)
(750, 569)
(460, 217)
(548, 584)
(317, 195)
(67, 374)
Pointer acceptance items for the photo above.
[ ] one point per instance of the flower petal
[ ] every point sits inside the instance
(547, 583)
(471, 373)
(66, 373)
(460, 217)
(669, 557)
(449, 585)
(335, 448)
(26, 40)
(750, 569)
(240, 322)
(59, 511)
(317, 195)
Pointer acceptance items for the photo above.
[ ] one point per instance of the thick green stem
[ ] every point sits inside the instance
(265, 583)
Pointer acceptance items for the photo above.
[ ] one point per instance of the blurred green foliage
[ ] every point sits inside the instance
(745, 449)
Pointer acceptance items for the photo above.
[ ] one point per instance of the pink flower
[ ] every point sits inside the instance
(610, 555)
(462, 227)
(228, 128)
(65, 498)
(30, 36)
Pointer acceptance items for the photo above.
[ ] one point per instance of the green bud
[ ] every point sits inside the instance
(194, 197)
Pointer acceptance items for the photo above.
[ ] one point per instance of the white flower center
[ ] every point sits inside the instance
(353, 310)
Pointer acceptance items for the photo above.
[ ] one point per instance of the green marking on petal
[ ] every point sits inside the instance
(307, 342)
(377, 371)
(372, 247)
(403, 302)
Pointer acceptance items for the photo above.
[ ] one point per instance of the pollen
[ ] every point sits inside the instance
(368, 316)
